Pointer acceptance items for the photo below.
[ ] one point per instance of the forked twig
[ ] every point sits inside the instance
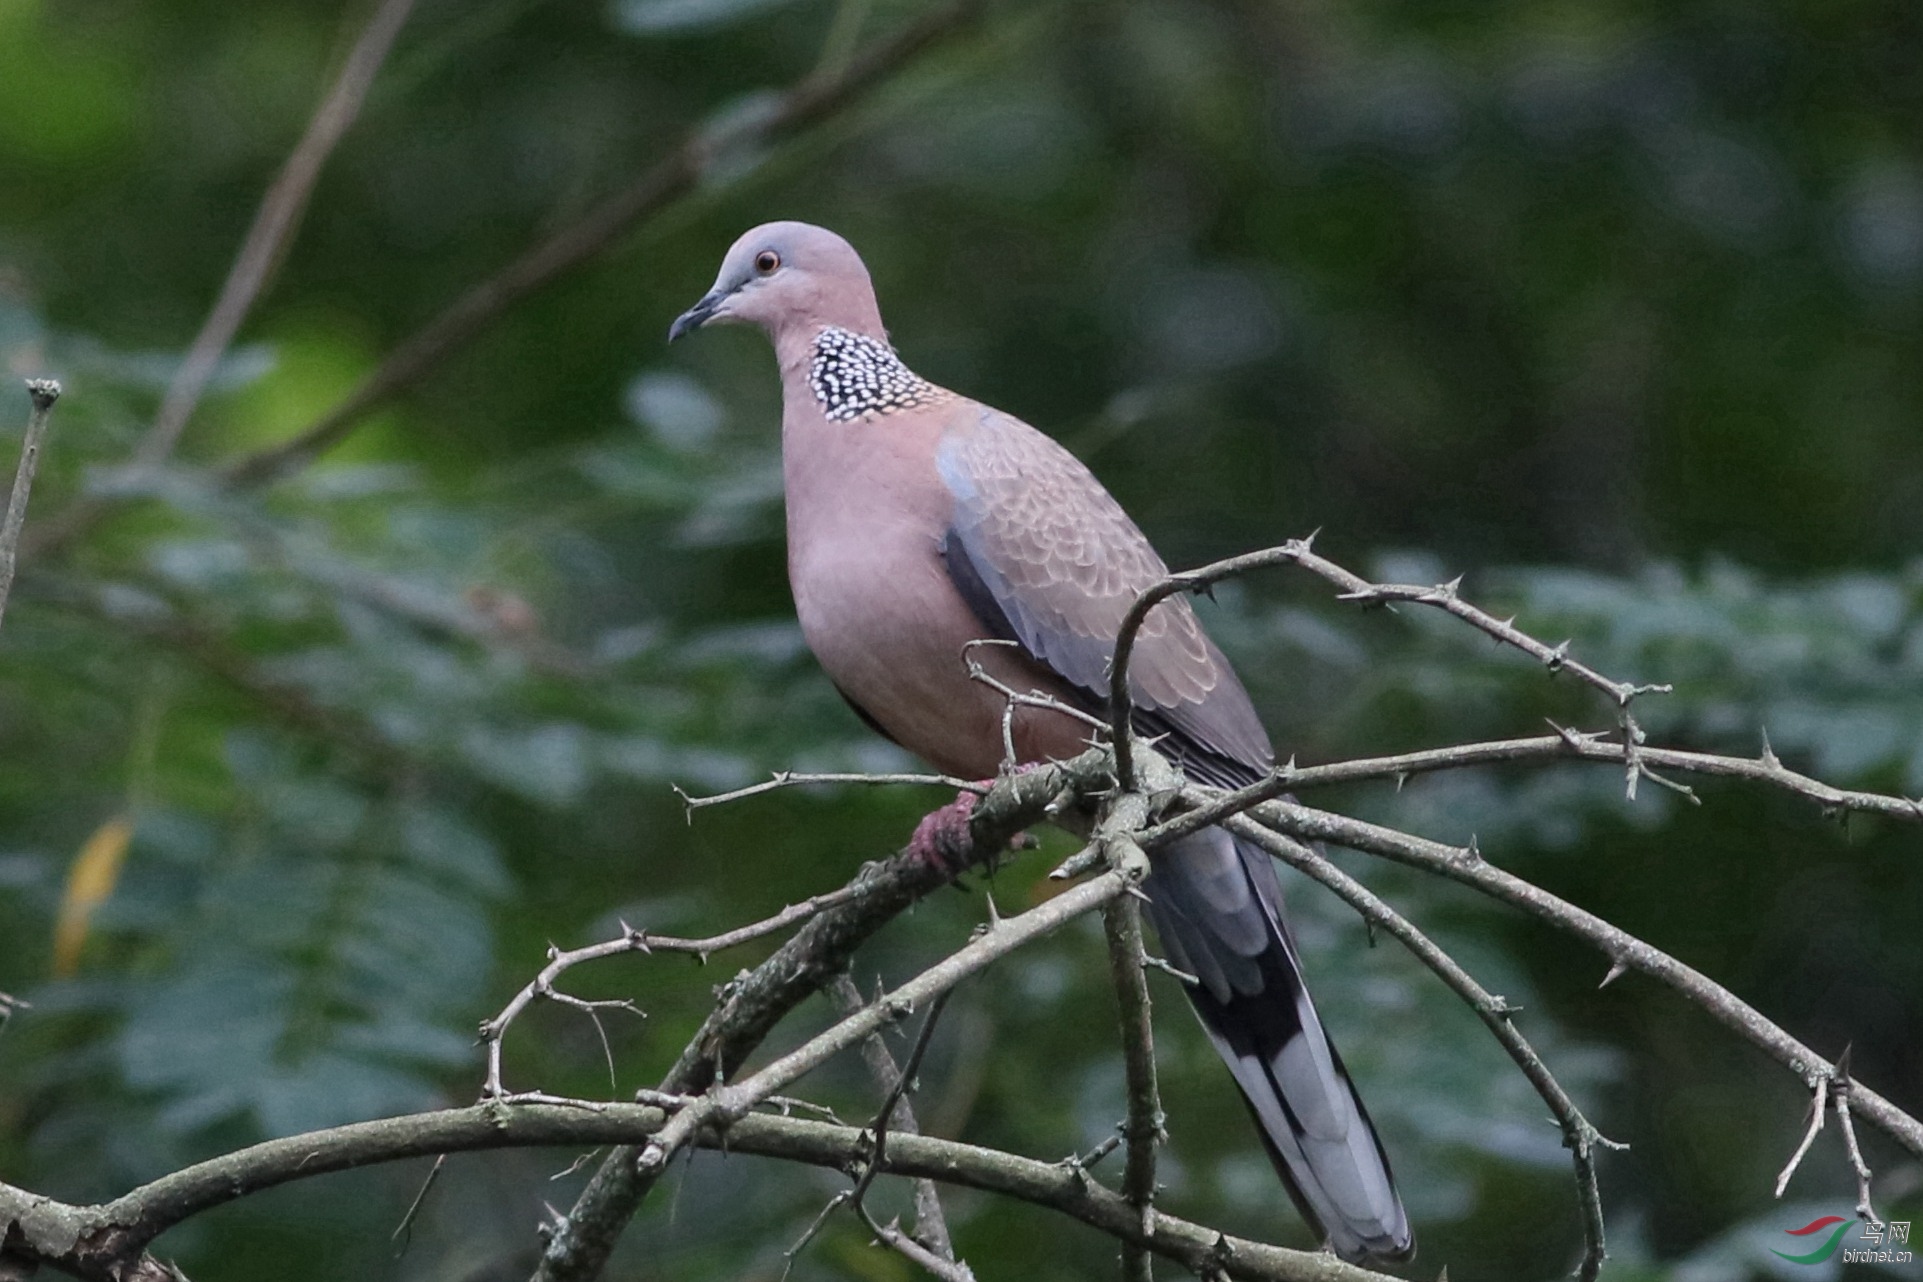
(931, 1222)
(631, 940)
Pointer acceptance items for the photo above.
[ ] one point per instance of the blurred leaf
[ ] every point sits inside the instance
(90, 880)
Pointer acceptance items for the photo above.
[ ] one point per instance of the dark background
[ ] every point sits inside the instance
(1616, 307)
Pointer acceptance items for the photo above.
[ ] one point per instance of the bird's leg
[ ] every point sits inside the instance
(942, 839)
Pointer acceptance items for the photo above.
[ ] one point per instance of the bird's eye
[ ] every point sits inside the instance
(766, 261)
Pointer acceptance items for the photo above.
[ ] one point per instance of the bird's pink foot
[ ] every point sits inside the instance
(942, 838)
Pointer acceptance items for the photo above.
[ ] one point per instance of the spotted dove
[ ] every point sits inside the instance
(920, 521)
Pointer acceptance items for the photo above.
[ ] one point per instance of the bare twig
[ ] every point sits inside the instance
(632, 940)
(815, 97)
(891, 1236)
(1579, 1136)
(794, 779)
(1818, 1107)
(1833, 1090)
(43, 392)
(1013, 698)
(1841, 1088)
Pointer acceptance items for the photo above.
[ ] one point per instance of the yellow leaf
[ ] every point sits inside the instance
(91, 879)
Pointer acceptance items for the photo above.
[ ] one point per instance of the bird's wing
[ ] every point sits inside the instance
(1046, 557)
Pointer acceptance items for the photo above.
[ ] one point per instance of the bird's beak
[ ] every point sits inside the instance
(697, 316)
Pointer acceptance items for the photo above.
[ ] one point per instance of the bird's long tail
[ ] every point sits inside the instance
(1217, 908)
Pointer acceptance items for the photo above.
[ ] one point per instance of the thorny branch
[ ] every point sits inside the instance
(1144, 1129)
(1124, 816)
(1840, 1090)
(1443, 596)
(107, 1242)
(1242, 809)
(1565, 745)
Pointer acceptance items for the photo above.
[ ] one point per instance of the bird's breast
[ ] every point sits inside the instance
(865, 529)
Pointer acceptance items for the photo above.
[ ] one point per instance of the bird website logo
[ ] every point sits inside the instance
(1879, 1241)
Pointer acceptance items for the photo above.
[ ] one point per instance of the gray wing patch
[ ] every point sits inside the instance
(1046, 557)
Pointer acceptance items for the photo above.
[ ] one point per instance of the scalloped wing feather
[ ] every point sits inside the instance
(1061, 563)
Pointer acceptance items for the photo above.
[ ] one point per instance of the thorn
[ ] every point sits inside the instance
(1573, 738)
(1472, 853)
(1617, 969)
(1450, 588)
(1557, 657)
(1402, 777)
(1770, 759)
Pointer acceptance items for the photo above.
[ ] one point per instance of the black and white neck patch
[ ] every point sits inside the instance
(852, 374)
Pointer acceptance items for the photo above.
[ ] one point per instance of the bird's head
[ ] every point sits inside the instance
(787, 274)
